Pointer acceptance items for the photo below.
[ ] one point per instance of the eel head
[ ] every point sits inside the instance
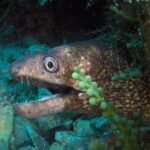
(53, 71)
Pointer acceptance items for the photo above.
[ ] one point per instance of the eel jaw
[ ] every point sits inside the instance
(47, 105)
(52, 87)
(59, 102)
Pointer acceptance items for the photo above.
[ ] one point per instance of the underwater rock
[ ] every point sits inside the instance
(83, 128)
(3, 89)
(37, 48)
(89, 127)
(98, 122)
(9, 54)
(72, 140)
(21, 133)
(27, 148)
(3, 66)
(28, 134)
(49, 122)
(57, 146)
(6, 126)
(38, 141)
(84, 131)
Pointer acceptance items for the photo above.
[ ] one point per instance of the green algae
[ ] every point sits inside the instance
(125, 130)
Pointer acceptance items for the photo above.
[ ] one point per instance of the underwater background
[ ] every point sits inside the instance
(31, 26)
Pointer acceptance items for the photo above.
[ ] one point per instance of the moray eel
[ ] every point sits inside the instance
(53, 71)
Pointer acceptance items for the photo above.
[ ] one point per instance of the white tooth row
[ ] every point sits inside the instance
(26, 78)
(44, 98)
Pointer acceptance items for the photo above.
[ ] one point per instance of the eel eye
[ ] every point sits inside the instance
(50, 64)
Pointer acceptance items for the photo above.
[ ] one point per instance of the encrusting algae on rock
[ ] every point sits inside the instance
(6, 126)
(125, 131)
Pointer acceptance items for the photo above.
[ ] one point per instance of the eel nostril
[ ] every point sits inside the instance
(18, 68)
(15, 69)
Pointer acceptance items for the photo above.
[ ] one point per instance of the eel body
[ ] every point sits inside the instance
(53, 71)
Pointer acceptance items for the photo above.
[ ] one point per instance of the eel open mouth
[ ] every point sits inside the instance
(52, 87)
(59, 102)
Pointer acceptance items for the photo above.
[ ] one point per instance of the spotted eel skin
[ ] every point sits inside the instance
(53, 71)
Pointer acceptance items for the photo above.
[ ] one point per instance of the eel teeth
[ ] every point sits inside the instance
(27, 79)
(22, 80)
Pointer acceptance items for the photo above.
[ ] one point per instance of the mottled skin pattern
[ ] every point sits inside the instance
(128, 95)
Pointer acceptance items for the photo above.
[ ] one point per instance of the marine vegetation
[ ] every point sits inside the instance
(125, 130)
